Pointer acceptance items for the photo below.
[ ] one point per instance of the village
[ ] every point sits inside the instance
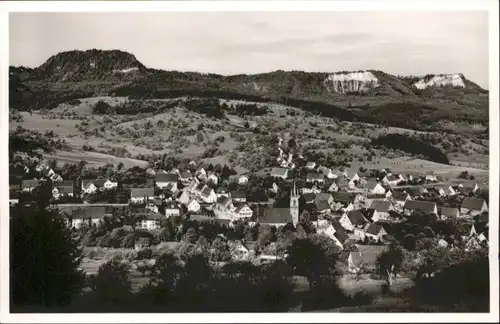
(358, 210)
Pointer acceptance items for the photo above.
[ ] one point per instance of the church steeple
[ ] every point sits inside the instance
(294, 205)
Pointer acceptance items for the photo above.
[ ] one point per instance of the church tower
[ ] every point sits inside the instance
(294, 205)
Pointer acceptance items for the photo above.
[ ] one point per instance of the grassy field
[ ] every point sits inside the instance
(188, 134)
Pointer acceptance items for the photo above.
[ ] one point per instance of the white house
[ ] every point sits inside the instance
(193, 206)
(88, 187)
(374, 187)
(375, 232)
(391, 180)
(379, 210)
(90, 216)
(412, 206)
(353, 219)
(279, 173)
(212, 177)
(184, 198)
(150, 221)
(242, 179)
(163, 181)
(311, 165)
(473, 206)
(449, 212)
(241, 210)
(431, 176)
(315, 177)
(208, 195)
(172, 210)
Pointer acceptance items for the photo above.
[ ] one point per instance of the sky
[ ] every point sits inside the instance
(400, 43)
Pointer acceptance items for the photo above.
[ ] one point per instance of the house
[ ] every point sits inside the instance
(224, 202)
(241, 210)
(148, 220)
(449, 212)
(141, 195)
(310, 165)
(309, 197)
(88, 187)
(141, 243)
(310, 188)
(238, 195)
(374, 187)
(332, 186)
(185, 177)
(473, 206)
(150, 172)
(315, 177)
(391, 180)
(477, 237)
(343, 200)
(238, 251)
(379, 210)
(416, 191)
(399, 198)
(193, 185)
(335, 232)
(353, 219)
(208, 195)
(172, 210)
(274, 188)
(431, 176)
(164, 180)
(412, 206)
(184, 197)
(327, 172)
(200, 172)
(88, 215)
(161, 171)
(323, 202)
(442, 243)
(365, 258)
(440, 191)
(274, 216)
(375, 232)
(470, 187)
(279, 173)
(105, 184)
(193, 206)
(63, 189)
(242, 179)
(212, 177)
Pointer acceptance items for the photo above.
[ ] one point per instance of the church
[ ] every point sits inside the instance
(279, 216)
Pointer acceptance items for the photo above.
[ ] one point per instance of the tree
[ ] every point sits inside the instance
(246, 125)
(390, 261)
(44, 259)
(191, 236)
(112, 284)
(409, 242)
(219, 251)
(311, 259)
(265, 236)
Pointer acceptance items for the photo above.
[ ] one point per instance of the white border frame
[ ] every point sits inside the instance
(151, 6)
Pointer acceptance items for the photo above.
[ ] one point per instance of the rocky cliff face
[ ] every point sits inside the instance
(351, 82)
(443, 80)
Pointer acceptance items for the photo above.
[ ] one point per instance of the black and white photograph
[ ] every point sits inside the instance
(282, 158)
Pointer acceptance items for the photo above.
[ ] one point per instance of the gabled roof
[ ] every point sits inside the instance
(367, 254)
(315, 176)
(308, 197)
(371, 183)
(465, 190)
(238, 206)
(142, 192)
(374, 229)
(356, 217)
(169, 177)
(274, 216)
(391, 177)
(343, 197)
(340, 232)
(142, 240)
(86, 212)
(311, 164)
(420, 205)
(322, 205)
(449, 211)
(380, 205)
(223, 200)
(99, 182)
(65, 189)
(238, 194)
(30, 183)
(473, 203)
(65, 183)
(399, 195)
(279, 172)
(206, 192)
(186, 174)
